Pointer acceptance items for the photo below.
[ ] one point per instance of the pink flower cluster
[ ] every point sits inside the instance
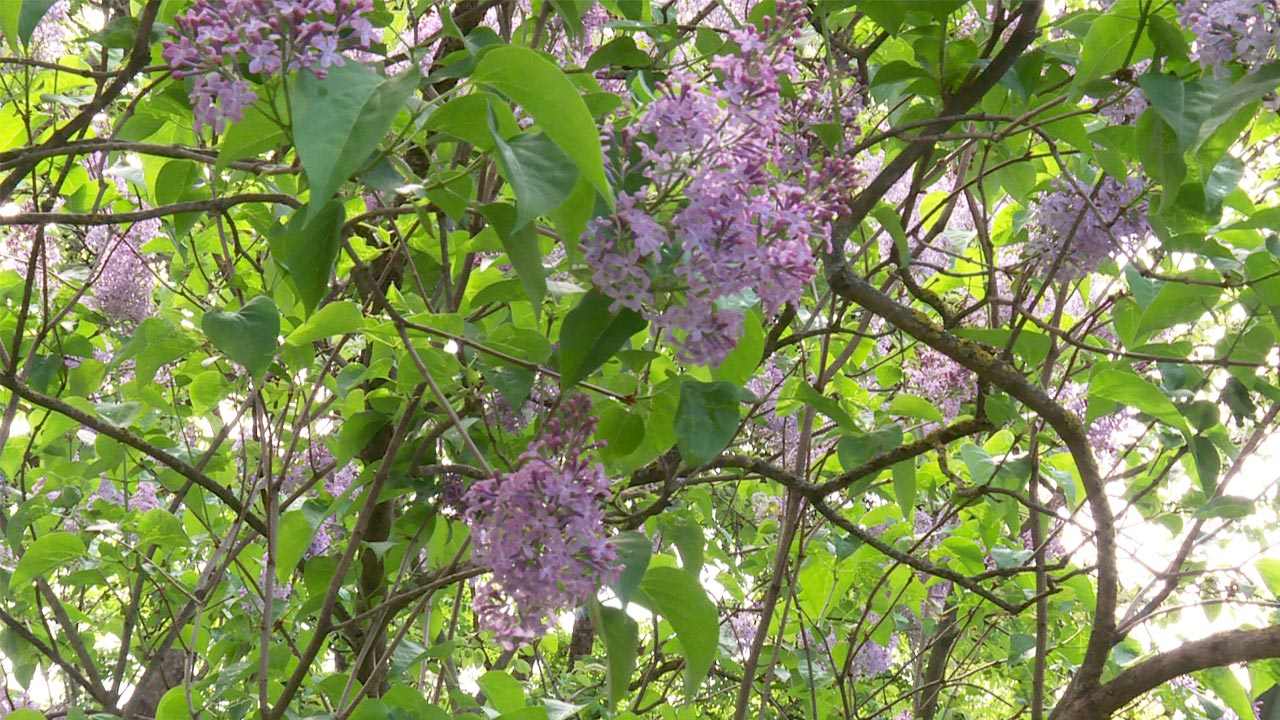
(215, 39)
(539, 530)
(718, 223)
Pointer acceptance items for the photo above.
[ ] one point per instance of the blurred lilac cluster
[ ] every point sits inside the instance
(870, 658)
(316, 461)
(122, 287)
(742, 228)
(942, 381)
(1227, 30)
(539, 530)
(214, 38)
(1071, 237)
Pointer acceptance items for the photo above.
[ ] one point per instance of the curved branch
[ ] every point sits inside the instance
(1226, 648)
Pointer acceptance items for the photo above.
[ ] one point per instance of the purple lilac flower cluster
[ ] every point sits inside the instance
(871, 658)
(742, 628)
(143, 499)
(1228, 30)
(742, 228)
(539, 530)
(215, 38)
(122, 288)
(940, 380)
(317, 460)
(1070, 237)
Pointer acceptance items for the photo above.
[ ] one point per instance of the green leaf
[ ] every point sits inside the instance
(248, 335)
(156, 342)
(294, 536)
(1108, 42)
(706, 419)
(541, 176)
(591, 334)
(1223, 682)
(634, 552)
(1184, 105)
(18, 20)
(619, 52)
(678, 597)
(621, 637)
(258, 132)
(741, 362)
(160, 527)
(539, 86)
(904, 486)
(25, 714)
(521, 243)
(175, 704)
(465, 118)
(44, 555)
(1177, 303)
(1129, 389)
(1269, 569)
(1207, 463)
(503, 692)
(827, 406)
(916, 407)
(336, 318)
(311, 244)
(1226, 506)
(338, 122)
(1249, 89)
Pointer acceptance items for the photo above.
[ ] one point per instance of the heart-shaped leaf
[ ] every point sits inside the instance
(248, 336)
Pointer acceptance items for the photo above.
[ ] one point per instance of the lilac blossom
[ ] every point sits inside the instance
(317, 460)
(539, 530)
(870, 658)
(124, 281)
(942, 381)
(742, 628)
(726, 216)
(1071, 237)
(1228, 30)
(212, 39)
(48, 40)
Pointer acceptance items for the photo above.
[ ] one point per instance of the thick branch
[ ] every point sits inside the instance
(1225, 648)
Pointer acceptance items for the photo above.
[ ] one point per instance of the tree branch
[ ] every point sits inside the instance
(1226, 648)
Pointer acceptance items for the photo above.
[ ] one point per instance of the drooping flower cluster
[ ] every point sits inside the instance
(1071, 237)
(214, 39)
(539, 530)
(1228, 30)
(122, 287)
(717, 223)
